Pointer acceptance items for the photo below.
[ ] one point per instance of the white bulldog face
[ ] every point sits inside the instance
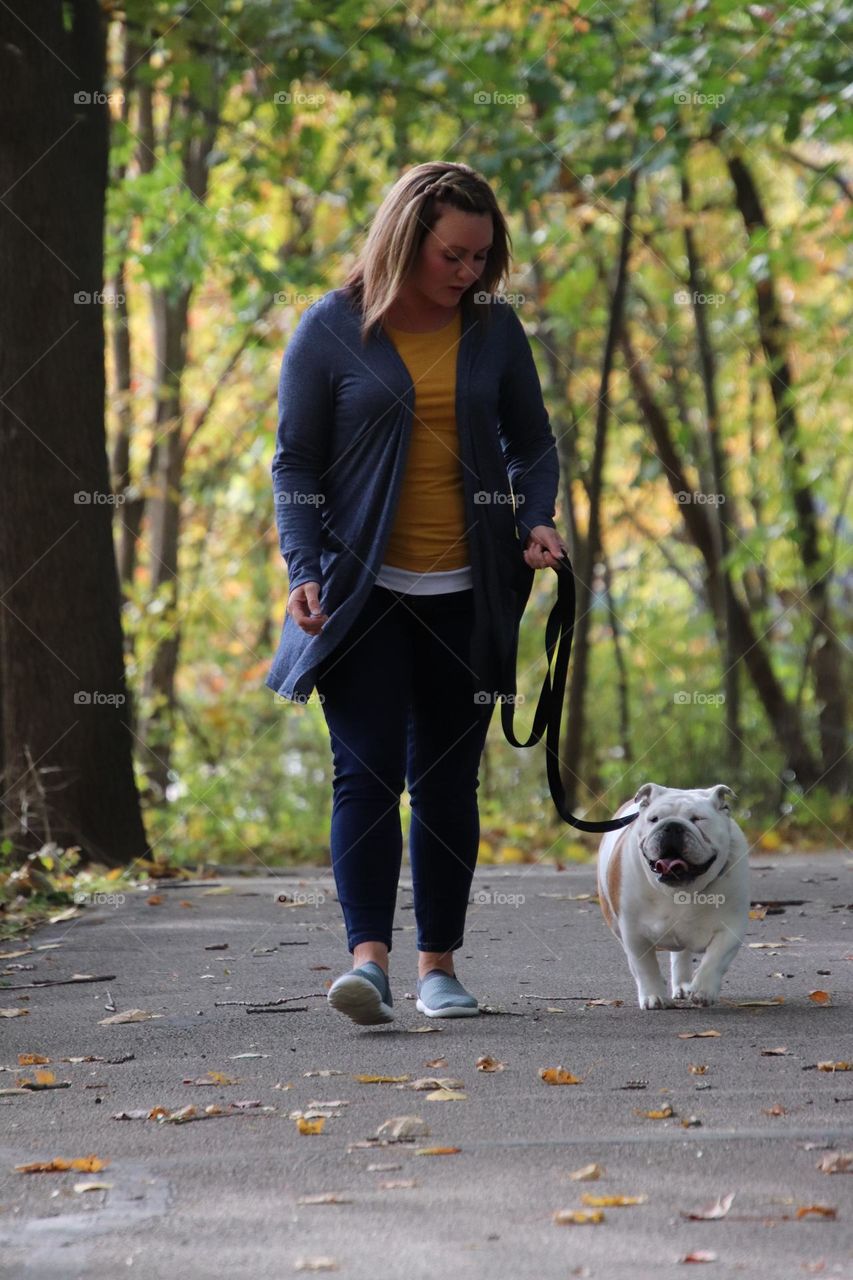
(682, 834)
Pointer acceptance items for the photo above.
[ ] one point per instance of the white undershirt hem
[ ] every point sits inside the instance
(424, 584)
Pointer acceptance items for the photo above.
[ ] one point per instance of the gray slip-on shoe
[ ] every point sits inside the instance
(363, 994)
(441, 996)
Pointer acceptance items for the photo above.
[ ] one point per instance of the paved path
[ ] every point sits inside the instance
(220, 1197)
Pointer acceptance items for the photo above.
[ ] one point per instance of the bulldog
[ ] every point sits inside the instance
(676, 879)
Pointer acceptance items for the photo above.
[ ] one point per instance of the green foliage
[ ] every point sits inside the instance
(318, 111)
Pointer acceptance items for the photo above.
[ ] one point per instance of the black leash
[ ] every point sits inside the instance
(559, 632)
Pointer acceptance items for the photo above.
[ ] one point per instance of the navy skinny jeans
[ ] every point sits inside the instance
(399, 702)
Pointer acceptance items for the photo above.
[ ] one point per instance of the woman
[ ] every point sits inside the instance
(409, 402)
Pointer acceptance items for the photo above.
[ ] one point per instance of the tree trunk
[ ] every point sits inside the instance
(68, 773)
(828, 658)
(574, 732)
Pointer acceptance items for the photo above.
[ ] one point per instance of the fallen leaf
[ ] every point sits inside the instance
(775, 1110)
(835, 1066)
(558, 1075)
(155, 900)
(220, 889)
(13, 1013)
(84, 1164)
(699, 1255)
(697, 1068)
(718, 1209)
(92, 1186)
(310, 1126)
(323, 1197)
(315, 1264)
(697, 1035)
(381, 1079)
(30, 1059)
(589, 1004)
(774, 1053)
(398, 1128)
(212, 1078)
(394, 1184)
(580, 1216)
(129, 1015)
(486, 1063)
(438, 1151)
(612, 1202)
(822, 1210)
(819, 997)
(836, 1162)
(662, 1114)
(446, 1095)
(588, 1173)
(435, 1082)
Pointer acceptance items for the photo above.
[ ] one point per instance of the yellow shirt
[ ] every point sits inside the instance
(428, 534)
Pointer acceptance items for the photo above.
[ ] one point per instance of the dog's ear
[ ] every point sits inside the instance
(718, 796)
(645, 793)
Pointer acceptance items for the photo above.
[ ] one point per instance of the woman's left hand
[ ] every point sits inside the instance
(543, 548)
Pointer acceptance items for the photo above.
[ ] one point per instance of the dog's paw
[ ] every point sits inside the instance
(703, 996)
(655, 1000)
(681, 992)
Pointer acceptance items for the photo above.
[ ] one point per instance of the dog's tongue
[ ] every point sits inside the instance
(665, 866)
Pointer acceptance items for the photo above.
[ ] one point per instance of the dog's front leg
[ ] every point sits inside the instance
(681, 973)
(643, 962)
(707, 980)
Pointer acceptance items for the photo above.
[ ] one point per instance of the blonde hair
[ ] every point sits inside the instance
(405, 217)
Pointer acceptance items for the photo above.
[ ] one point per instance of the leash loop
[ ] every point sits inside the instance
(559, 633)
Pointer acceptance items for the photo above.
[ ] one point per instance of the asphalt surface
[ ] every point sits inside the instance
(221, 1196)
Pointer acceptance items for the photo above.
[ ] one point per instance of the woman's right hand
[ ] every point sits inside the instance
(303, 605)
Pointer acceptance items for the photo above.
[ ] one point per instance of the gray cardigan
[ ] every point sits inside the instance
(345, 419)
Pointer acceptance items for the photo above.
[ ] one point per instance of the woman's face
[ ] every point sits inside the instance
(453, 255)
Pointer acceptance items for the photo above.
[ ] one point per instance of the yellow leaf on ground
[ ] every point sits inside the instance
(580, 1216)
(558, 1075)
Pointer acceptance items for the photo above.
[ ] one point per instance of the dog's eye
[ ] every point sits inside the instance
(652, 819)
(697, 818)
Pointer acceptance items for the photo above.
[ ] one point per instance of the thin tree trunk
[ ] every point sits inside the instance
(66, 746)
(828, 657)
(782, 715)
(574, 732)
